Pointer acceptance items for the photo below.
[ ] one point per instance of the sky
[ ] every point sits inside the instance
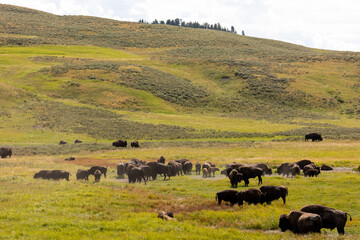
(324, 24)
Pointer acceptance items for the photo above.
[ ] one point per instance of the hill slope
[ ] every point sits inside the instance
(96, 79)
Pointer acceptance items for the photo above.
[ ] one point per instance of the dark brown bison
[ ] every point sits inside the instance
(325, 167)
(82, 174)
(250, 172)
(59, 174)
(263, 167)
(227, 196)
(70, 159)
(206, 165)
(274, 193)
(175, 168)
(331, 218)
(313, 137)
(103, 170)
(300, 222)
(120, 143)
(78, 141)
(251, 195)
(235, 178)
(120, 170)
(310, 166)
(97, 175)
(43, 174)
(288, 169)
(303, 163)
(187, 167)
(136, 174)
(62, 142)
(311, 172)
(134, 144)
(159, 168)
(4, 152)
(197, 168)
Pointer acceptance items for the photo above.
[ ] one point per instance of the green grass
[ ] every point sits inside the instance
(39, 209)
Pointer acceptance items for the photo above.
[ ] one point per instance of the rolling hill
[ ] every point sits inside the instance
(67, 77)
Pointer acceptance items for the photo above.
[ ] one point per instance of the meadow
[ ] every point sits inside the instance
(48, 209)
(182, 93)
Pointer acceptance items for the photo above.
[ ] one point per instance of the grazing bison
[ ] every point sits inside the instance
(134, 144)
(59, 174)
(161, 160)
(169, 216)
(4, 152)
(303, 163)
(70, 159)
(136, 174)
(227, 196)
(250, 172)
(311, 172)
(78, 141)
(300, 222)
(274, 193)
(313, 137)
(331, 218)
(43, 174)
(251, 195)
(235, 178)
(197, 168)
(120, 143)
(212, 171)
(159, 168)
(120, 170)
(82, 174)
(310, 166)
(62, 142)
(325, 167)
(103, 170)
(288, 169)
(97, 175)
(263, 167)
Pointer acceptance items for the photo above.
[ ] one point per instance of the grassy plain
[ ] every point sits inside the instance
(42, 209)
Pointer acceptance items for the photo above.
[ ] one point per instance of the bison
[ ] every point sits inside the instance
(62, 142)
(120, 170)
(136, 174)
(82, 174)
(134, 144)
(4, 152)
(43, 174)
(159, 168)
(103, 170)
(97, 175)
(251, 195)
(250, 172)
(303, 163)
(227, 196)
(331, 218)
(235, 178)
(59, 174)
(197, 168)
(300, 222)
(78, 141)
(314, 137)
(288, 169)
(212, 171)
(161, 160)
(120, 143)
(311, 172)
(274, 193)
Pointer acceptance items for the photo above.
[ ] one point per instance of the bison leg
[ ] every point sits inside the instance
(260, 180)
(246, 182)
(284, 199)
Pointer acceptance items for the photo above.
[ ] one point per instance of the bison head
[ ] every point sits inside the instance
(284, 223)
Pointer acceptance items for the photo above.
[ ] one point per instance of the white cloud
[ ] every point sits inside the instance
(327, 24)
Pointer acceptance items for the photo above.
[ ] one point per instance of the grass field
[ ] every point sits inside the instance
(183, 93)
(42, 209)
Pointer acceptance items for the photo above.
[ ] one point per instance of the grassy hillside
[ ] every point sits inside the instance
(67, 77)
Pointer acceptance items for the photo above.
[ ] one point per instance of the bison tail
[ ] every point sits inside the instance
(349, 216)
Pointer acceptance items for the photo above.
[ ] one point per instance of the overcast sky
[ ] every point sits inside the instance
(325, 24)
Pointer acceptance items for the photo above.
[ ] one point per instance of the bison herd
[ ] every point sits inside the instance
(310, 218)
